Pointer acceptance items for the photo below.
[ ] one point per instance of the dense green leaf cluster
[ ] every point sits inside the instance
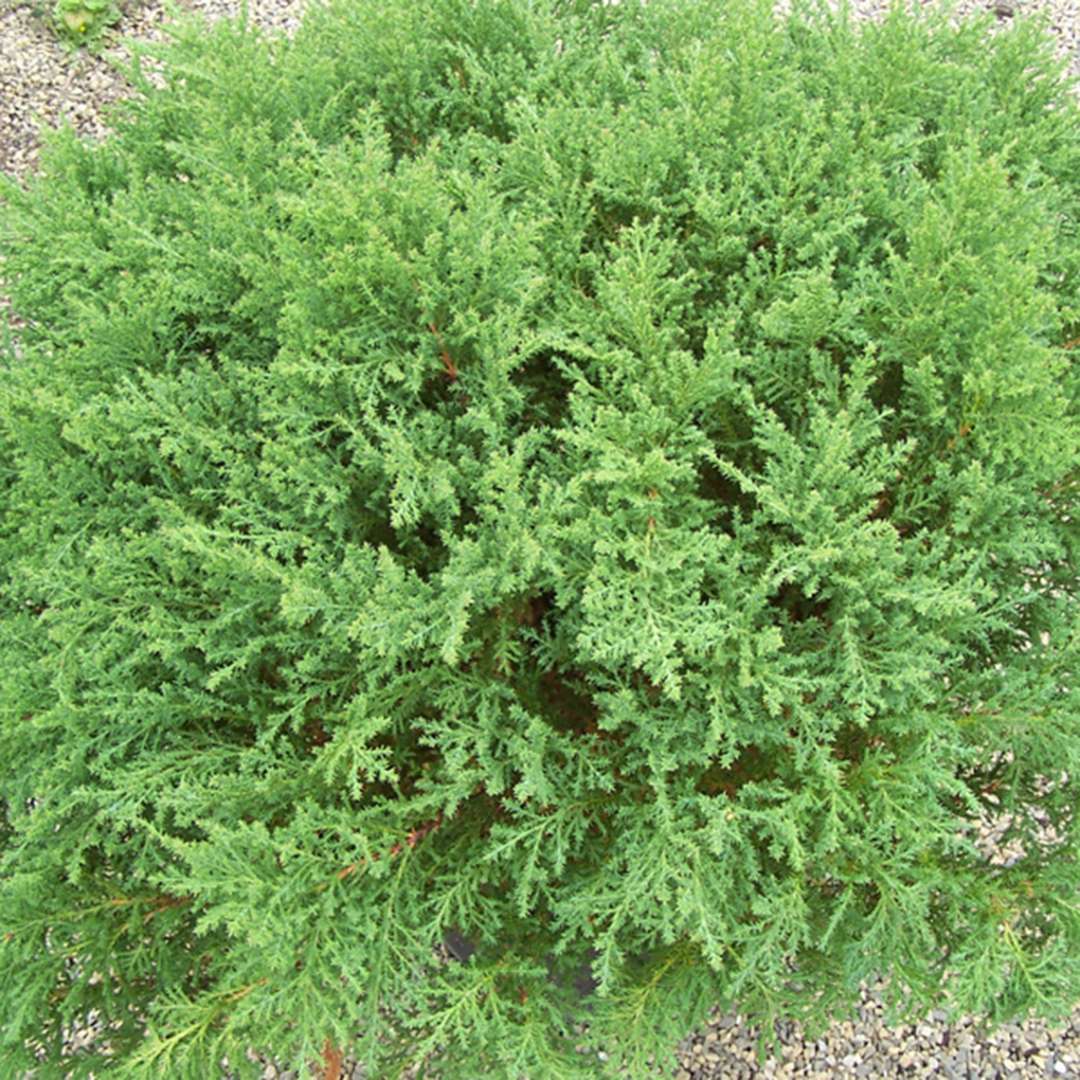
(84, 22)
(602, 479)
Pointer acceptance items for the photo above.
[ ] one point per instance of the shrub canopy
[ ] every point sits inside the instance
(599, 479)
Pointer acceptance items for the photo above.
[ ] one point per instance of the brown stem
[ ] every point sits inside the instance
(412, 839)
(448, 363)
(333, 1060)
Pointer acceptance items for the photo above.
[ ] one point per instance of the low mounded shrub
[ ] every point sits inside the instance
(601, 481)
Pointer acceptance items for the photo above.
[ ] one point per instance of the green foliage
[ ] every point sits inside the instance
(84, 22)
(92, 24)
(602, 478)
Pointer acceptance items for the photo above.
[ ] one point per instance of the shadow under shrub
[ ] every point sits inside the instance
(598, 480)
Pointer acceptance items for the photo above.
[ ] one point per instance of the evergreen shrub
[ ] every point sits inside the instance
(600, 481)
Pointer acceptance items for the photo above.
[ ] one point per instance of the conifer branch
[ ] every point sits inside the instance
(411, 840)
(448, 363)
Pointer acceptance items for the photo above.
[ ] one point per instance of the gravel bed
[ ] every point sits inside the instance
(42, 82)
(40, 78)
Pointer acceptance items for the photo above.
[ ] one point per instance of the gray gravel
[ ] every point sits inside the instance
(40, 81)
(39, 78)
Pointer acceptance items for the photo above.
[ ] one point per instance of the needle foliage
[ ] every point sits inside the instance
(598, 479)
